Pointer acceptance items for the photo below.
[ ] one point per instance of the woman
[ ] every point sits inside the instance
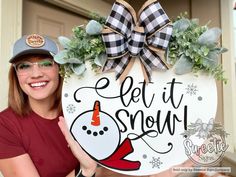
(31, 142)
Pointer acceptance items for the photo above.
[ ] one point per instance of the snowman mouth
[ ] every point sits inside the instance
(95, 133)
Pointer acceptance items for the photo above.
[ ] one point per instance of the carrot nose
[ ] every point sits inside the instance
(96, 117)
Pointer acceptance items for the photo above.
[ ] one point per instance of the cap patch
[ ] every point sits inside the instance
(35, 40)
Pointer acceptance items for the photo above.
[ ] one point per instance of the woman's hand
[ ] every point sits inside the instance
(87, 165)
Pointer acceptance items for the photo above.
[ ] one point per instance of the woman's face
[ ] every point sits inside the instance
(38, 77)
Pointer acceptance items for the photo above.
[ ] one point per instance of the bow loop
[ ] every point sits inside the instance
(160, 39)
(152, 17)
(147, 38)
(121, 18)
(115, 44)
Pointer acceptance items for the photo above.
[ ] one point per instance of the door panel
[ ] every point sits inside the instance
(46, 19)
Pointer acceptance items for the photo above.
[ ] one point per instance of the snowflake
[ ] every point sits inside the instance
(70, 108)
(191, 89)
(156, 162)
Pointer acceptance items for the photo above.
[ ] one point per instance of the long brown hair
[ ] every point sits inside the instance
(18, 100)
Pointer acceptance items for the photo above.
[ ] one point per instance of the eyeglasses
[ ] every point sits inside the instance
(26, 67)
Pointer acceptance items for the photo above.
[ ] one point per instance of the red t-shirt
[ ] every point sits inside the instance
(41, 138)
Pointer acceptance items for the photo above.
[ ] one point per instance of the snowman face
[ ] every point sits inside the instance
(102, 133)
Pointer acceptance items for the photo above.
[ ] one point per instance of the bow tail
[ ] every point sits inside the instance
(146, 69)
(150, 61)
(118, 64)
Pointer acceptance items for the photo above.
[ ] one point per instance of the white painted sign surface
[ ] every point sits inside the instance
(132, 127)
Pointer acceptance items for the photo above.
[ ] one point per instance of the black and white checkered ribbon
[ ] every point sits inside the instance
(125, 37)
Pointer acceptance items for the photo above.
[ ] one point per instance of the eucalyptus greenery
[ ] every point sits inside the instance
(195, 48)
(192, 48)
(85, 45)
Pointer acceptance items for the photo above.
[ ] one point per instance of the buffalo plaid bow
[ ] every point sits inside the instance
(125, 37)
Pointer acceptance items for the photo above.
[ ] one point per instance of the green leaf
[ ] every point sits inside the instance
(195, 21)
(93, 28)
(182, 24)
(64, 41)
(78, 69)
(101, 59)
(60, 57)
(221, 50)
(211, 60)
(74, 61)
(210, 37)
(204, 50)
(183, 65)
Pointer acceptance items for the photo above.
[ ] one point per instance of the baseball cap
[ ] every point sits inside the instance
(33, 44)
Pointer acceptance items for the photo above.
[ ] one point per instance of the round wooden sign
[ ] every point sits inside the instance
(134, 127)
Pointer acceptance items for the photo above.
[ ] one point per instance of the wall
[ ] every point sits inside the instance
(234, 26)
(47, 19)
(10, 30)
(172, 9)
